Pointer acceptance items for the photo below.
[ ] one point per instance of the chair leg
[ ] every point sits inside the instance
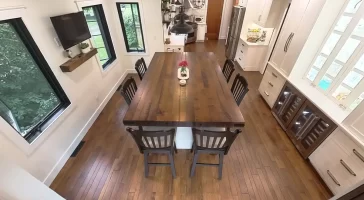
(175, 148)
(221, 163)
(193, 168)
(171, 161)
(146, 167)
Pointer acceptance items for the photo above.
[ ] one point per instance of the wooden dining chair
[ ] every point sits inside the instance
(228, 69)
(141, 67)
(128, 90)
(211, 142)
(239, 88)
(158, 142)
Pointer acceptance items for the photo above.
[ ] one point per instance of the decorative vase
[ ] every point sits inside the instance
(86, 50)
(183, 73)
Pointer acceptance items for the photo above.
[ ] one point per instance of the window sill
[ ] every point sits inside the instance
(137, 54)
(105, 71)
(27, 148)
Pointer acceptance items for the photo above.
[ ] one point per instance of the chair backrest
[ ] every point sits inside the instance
(228, 69)
(239, 88)
(214, 140)
(141, 67)
(151, 140)
(128, 90)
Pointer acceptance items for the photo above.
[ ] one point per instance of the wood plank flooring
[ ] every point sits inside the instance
(262, 164)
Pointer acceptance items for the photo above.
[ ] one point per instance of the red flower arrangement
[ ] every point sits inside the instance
(183, 64)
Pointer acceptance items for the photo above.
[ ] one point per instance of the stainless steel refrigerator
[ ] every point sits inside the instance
(236, 23)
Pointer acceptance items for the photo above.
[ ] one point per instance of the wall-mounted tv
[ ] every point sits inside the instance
(71, 29)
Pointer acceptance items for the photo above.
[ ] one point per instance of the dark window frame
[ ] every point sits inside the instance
(42, 64)
(128, 49)
(105, 33)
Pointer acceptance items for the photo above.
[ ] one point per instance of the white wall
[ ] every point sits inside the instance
(16, 183)
(225, 20)
(88, 87)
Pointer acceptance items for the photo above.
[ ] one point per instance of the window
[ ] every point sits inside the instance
(132, 27)
(30, 96)
(338, 68)
(99, 30)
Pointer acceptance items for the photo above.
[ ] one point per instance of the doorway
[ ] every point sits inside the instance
(214, 15)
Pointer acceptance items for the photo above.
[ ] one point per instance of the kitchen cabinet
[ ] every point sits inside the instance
(298, 23)
(271, 85)
(343, 168)
(201, 31)
(263, 8)
(248, 55)
(303, 122)
(309, 128)
(243, 3)
(287, 105)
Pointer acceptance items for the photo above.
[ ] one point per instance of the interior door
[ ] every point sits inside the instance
(214, 13)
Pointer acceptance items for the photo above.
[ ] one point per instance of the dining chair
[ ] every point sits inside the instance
(239, 88)
(211, 142)
(141, 67)
(128, 90)
(158, 142)
(228, 69)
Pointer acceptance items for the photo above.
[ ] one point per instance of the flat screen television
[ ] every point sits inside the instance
(71, 29)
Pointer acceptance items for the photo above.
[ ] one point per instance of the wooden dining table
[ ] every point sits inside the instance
(205, 101)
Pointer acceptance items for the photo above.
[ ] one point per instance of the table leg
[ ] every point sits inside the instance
(184, 138)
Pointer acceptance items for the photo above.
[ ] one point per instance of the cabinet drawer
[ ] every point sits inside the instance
(354, 153)
(275, 78)
(269, 92)
(336, 155)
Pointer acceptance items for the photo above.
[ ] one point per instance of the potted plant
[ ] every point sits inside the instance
(85, 47)
(183, 65)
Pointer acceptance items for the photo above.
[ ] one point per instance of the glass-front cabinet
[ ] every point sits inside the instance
(287, 105)
(309, 128)
(303, 122)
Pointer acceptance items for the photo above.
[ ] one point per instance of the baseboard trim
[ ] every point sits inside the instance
(66, 155)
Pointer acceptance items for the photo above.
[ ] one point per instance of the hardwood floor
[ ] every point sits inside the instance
(262, 163)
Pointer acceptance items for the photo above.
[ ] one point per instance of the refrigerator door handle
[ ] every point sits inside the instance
(289, 41)
(285, 46)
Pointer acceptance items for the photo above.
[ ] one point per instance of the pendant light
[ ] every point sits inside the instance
(181, 27)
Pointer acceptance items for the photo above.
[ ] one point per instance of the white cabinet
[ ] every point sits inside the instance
(243, 3)
(271, 85)
(263, 8)
(354, 122)
(339, 161)
(201, 31)
(249, 55)
(297, 26)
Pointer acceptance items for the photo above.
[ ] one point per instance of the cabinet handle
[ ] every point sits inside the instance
(347, 167)
(285, 45)
(270, 83)
(333, 178)
(239, 58)
(286, 103)
(266, 93)
(358, 154)
(312, 120)
(241, 51)
(275, 76)
(289, 41)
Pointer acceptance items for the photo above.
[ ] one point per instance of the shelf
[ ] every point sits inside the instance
(77, 61)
